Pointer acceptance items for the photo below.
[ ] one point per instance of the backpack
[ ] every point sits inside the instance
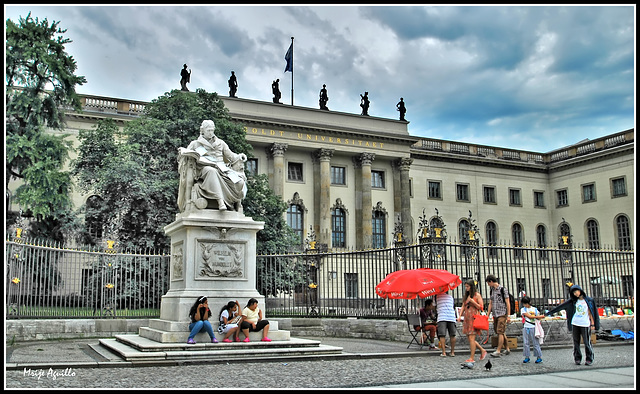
(512, 300)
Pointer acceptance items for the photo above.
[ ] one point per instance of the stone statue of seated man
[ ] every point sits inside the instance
(211, 175)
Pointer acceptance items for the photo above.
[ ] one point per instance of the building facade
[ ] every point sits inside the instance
(353, 179)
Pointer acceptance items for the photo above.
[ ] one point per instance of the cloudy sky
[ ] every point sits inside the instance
(524, 77)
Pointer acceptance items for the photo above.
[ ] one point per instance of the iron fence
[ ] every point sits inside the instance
(51, 281)
(47, 280)
(342, 284)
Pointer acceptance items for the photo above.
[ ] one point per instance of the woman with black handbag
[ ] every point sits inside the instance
(472, 305)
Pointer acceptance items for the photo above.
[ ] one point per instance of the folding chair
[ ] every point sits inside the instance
(414, 320)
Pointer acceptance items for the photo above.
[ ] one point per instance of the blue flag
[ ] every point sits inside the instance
(289, 58)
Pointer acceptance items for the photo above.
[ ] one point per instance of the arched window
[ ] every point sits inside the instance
(541, 237)
(295, 220)
(593, 236)
(623, 233)
(379, 237)
(338, 228)
(463, 228)
(516, 233)
(491, 237)
(94, 220)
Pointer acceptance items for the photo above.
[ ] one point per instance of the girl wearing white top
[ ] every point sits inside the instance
(229, 321)
(530, 313)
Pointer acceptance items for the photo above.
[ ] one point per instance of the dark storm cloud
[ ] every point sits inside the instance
(534, 77)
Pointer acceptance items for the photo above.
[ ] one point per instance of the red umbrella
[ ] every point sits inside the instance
(419, 282)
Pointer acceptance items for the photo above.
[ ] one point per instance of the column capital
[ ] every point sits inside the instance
(363, 159)
(403, 164)
(277, 149)
(322, 154)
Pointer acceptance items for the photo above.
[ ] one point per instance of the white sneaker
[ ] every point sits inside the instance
(496, 354)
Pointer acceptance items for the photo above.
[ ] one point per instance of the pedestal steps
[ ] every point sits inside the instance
(167, 331)
(134, 348)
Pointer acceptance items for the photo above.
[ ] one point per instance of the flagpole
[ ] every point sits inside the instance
(292, 71)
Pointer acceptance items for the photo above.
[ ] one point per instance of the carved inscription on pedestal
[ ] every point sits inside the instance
(216, 260)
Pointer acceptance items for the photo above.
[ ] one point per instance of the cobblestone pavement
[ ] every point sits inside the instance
(375, 363)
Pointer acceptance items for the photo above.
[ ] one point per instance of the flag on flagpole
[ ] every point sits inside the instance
(289, 58)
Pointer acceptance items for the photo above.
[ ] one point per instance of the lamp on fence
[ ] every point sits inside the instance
(436, 237)
(565, 243)
(399, 251)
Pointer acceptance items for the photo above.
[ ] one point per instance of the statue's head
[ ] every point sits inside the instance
(206, 125)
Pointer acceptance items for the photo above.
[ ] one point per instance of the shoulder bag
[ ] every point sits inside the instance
(481, 321)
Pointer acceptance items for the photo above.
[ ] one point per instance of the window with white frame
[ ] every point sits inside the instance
(491, 235)
(295, 220)
(462, 192)
(618, 187)
(593, 235)
(517, 236)
(351, 285)
(338, 228)
(251, 167)
(294, 172)
(378, 223)
(589, 192)
(562, 198)
(435, 189)
(338, 175)
(623, 233)
(514, 197)
(538, 199)
(489, 194)
(377, 179)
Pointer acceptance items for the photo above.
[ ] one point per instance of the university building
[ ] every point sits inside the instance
(353, 179)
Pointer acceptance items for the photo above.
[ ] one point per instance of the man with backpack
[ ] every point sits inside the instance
(500, 304)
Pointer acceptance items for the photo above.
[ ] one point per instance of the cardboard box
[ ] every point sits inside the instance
(593, 338)
(513, 342)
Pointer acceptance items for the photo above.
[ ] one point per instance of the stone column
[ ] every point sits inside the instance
(323, 193)
(405, 198)
(279, 172)
(364, 207)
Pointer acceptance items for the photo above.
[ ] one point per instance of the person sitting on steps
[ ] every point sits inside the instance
(253, 321)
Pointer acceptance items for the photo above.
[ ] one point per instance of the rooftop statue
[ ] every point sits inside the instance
(185, 77)
(275, 89)
(400, 107)
(323, 98)
(364, 103)
(233, 85)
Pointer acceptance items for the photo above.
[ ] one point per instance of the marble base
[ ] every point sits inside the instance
(213, 254)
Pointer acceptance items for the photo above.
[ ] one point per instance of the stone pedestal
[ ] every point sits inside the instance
(213, 254)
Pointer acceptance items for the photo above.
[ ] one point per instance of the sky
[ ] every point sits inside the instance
(535, 78)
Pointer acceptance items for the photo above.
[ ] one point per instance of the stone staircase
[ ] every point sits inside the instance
(154, 345)
(167, 331)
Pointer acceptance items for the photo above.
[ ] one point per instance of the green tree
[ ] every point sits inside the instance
(263, 205)
(40, 84)
(138, 180)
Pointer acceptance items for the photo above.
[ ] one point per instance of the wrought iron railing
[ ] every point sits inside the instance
(50, 281)
(47, 280)
(343, 284)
